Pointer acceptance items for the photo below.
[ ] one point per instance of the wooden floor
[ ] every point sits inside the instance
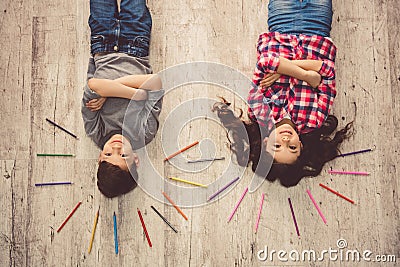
(44, 55)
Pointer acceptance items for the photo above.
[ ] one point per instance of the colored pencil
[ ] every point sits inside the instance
(337, 193)
(237, 204)
(203, 160)
(354, 153)
(223, 188)
(93, 230)
(144, 227)
(54, 155)
(316, 206)
(69, 216)
(187, 182)
(294, 217)
(346, 172)
(53, 183)
(62, 128)
(259, 213)
(175, 206)
(180, 151)
(164, 219)
(115, 233)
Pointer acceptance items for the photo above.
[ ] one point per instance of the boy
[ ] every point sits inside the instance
(120, 85)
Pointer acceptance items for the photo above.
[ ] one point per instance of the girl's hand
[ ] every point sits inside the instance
(96, 104)
(269, 79)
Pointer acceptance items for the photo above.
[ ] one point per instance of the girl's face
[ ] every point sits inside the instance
(284, 144)
(118, 151)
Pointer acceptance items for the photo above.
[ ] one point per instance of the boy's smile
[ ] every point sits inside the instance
(118, 151)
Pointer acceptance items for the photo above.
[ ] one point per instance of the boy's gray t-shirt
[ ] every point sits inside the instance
(141, 117)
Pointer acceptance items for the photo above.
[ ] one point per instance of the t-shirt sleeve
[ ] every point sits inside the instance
(152, 108)
(91, 119)
(88, 94)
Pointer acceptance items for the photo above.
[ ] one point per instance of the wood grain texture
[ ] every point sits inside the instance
(44, 60)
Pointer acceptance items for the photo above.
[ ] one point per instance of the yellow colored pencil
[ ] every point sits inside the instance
(185, 181)
(94, 229)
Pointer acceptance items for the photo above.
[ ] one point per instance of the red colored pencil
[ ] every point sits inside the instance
(144, 227)
(69, 216)
(180, 151)
(337, 193)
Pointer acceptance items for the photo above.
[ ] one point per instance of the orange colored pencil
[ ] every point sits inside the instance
(180, 151)
(175, 206)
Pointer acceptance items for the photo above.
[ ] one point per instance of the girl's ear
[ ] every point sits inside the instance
(301, 145)
(265, 141)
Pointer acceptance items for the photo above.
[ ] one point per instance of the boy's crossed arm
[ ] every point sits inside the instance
(129, 87)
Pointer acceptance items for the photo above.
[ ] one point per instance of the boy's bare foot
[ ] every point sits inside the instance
(313, 78)
(140, 95)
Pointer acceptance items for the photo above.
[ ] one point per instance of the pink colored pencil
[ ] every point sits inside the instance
(316, 206)
(69, 216)
(337, 193)
(259, 213)
(346, 172)
(237, 204)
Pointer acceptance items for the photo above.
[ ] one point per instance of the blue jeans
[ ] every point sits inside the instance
(127, 31)
(309, 17)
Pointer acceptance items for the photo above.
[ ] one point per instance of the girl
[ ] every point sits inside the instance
(293, 91)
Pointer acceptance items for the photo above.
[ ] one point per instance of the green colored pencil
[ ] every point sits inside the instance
(55, 155)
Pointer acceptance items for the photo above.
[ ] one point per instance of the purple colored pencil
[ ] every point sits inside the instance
(237, 204)
(354, 153)
(294, 217)
(222, 189)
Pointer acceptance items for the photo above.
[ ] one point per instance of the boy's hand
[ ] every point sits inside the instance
(269, 79)
(96, 104)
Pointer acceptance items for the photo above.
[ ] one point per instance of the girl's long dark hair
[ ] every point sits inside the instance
(246, 143)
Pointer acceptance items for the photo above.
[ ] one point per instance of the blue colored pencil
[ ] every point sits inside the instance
(52, 183)
(115, 233)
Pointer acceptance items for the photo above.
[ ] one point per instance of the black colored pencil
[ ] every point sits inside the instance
(65, 130)
(164, 219)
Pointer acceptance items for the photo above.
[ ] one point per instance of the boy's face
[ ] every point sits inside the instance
(118, 151)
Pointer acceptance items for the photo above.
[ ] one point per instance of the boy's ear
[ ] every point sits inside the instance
(136, 160)
(99, 159)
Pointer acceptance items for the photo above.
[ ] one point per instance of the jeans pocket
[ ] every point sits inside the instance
(96, 39)
(141, 42)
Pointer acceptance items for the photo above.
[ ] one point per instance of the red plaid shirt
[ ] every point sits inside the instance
(307, 107)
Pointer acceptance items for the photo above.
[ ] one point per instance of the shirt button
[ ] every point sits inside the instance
(115, 48)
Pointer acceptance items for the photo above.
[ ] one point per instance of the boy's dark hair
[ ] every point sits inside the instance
(112, 181)
(318, 147)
